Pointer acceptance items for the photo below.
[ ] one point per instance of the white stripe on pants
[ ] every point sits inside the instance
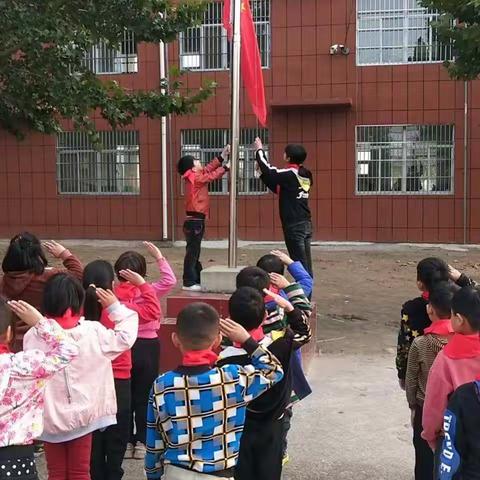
(176, 473)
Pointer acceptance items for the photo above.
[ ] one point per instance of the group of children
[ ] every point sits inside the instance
(77, 376)
(438, 364)
(81, 377)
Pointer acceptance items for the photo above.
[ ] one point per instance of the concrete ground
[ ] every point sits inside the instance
(356, 423)
(354, 426)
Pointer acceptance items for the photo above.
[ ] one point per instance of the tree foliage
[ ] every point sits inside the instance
(460, 27)
(43, 76)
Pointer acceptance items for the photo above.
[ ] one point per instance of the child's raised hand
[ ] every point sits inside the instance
(153, 250)
(54, 248)
(257, 144)
(226, 152)
(453, 273)
(28, 314)
(279, 281)
(282, 256)
(106, 297)
(279, 300)
(235, 332)
(133, 277)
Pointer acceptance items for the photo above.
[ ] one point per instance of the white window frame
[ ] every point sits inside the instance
(405, 145)
(76, 155)
(102, 59)
(406, 14)
(198, 61)
(246, 177)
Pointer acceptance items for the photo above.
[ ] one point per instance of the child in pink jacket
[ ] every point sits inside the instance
(456, 364)
(131, 269)
(81, 399)
(23, 377)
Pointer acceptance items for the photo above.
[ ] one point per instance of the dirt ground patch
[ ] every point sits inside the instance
(359, 289)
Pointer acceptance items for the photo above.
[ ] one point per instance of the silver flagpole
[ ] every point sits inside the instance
(235, 135)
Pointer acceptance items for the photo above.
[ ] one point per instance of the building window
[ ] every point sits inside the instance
(397, 32)
(104, 59)
(405, 160)
(206, 47)
(206, 144)
(110, 168)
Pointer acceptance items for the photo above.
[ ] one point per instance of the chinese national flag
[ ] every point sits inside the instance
(250, 55)
(227, 18)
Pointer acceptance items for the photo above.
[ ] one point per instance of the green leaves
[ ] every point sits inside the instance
(460, 27)
(43, 76)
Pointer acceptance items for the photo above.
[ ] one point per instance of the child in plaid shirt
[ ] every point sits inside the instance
(196, 413)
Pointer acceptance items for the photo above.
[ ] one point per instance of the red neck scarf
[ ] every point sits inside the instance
(426, 295)
(125, 291)
(196, 358)
(4, 348)
(463, 346)
(440, 327)
(257, 334)
(68, 320)
(293, 165)
(273, 289)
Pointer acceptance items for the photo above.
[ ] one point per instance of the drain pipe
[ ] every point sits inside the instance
(465, 165)
(163, 140)
(171, 156)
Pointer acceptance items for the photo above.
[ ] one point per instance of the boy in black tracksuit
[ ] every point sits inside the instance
(261, 448)
(292, 184)
(460, 454)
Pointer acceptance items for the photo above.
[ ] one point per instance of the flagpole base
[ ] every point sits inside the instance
(219, 279)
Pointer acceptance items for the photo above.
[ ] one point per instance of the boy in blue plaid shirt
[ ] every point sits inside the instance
(196, 413)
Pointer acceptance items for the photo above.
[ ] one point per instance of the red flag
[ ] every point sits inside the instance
(227, 18)
(250, 55)
(252, 64)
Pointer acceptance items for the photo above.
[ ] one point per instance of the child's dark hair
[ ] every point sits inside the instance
(440, 300)
(131, 261)
(197, 325)
(25, 254)
(6, 320)
(97, 274)
(185, 164)
(466, 302)
(271, 264)
(431, 271)
(253, 277)
(247, 307)
(296, 153)
(62, 292)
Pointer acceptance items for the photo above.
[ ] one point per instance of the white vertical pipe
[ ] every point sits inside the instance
(163, 140)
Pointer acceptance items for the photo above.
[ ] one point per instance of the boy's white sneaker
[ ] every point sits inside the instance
(129, 452)
(140, 451)
(193, 288)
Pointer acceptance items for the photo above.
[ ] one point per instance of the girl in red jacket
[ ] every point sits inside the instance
(197, 206)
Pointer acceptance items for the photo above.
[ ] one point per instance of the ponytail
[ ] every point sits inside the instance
(97, 274)
(92, 310)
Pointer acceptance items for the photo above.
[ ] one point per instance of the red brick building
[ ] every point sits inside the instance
(359, 82)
